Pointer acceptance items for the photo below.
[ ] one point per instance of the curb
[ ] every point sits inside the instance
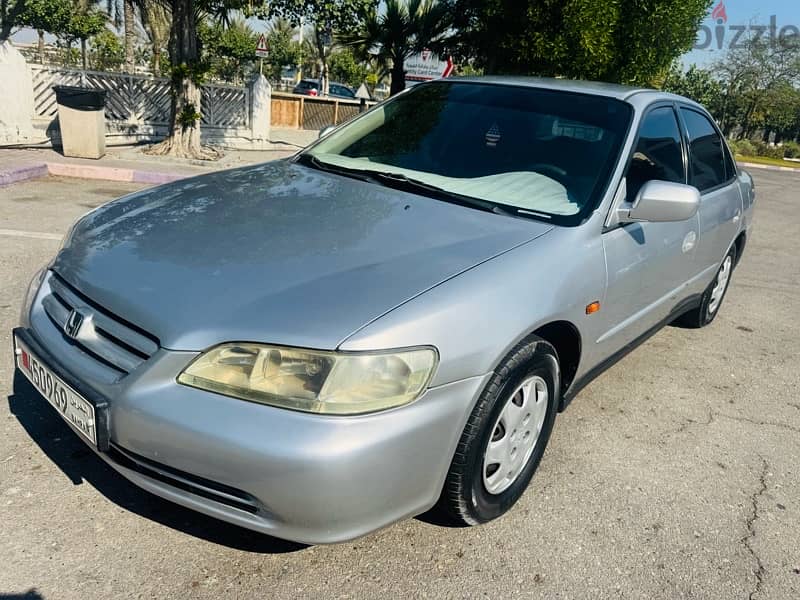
(111, 173)
(750, 165)
(22, 173)
(34, 171)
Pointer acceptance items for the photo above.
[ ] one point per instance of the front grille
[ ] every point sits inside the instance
(109, 339)
(199, 486)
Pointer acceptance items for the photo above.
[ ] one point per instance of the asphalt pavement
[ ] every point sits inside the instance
(676, 474)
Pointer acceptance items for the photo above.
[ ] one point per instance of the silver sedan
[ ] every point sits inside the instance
(390, 320)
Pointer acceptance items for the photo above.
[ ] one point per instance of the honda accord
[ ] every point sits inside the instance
(390, 320)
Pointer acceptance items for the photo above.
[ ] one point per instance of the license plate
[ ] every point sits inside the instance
(71, 406)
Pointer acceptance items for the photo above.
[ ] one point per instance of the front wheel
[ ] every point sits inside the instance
(713, 296)
(505, 436)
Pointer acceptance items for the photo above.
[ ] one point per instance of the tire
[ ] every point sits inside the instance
(712, 298)
(477, 489)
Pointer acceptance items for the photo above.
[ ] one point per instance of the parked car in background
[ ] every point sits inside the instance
(311, 87)
(390, 320)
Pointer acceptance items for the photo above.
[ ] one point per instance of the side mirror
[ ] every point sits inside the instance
(326, 130)
(662, 201)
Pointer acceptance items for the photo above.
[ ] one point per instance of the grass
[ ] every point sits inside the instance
(763, 160)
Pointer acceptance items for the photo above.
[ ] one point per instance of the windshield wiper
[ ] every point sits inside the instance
(309, 160)
(401, 182)
(522, 213)
(393, 180)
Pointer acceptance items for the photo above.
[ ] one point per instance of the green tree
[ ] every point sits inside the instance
(52, 16)
(107, 51)
(83, 24)
(750, 72)
(326, 18)
(187, 72)
(701, 85)
(403, 28)
(780, 113)
(309, 56)
(283, 49)
(10, 11)
(42, 15)
(345, 68)
(228, 50)
(625, 41)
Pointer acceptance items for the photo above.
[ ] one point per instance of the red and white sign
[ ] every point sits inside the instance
(262, 47)
(426, 66)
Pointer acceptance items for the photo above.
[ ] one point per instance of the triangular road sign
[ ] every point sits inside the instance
(262, 48)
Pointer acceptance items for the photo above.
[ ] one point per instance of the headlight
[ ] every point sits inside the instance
(335, 383)
(30, 296)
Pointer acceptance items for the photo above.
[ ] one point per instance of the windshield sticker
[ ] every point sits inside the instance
(493, 135)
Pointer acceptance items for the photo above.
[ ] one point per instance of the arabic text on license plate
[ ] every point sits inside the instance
(71, 406)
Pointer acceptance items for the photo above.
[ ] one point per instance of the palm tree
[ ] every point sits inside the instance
(405, 28)
(309, 56)
(156, 19)
(123, 13)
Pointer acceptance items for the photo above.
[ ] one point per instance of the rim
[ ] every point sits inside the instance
(515, 434)
(719, 288)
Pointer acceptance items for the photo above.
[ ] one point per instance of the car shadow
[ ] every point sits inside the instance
(435, 517)
(80, 464)
(31, 594)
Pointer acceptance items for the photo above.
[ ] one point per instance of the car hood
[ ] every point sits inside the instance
(277, 253)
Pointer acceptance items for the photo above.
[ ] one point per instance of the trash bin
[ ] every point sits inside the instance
(81, 118)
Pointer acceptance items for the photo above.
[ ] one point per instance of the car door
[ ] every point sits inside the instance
(648, 264)
(713, 172)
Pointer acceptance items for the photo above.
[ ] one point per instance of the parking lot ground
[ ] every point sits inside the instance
(676, 474)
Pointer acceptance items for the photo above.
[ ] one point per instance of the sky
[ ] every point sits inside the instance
(740, 13)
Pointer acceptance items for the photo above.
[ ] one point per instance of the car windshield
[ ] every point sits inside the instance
(535, 151)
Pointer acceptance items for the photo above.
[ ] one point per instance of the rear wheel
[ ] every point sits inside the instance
(505, 436)
(713, 296)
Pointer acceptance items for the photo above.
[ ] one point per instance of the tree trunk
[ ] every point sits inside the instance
(156, 59)
(323, 61)
(748, 116)
(130, 35)
(83, 53)
(40, 46)
(183, 139)
(398, 77)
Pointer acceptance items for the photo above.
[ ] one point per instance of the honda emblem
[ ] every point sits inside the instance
(73, 324)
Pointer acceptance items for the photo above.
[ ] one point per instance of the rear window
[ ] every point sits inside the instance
(706, 152)
(341, 91)
(546, 151)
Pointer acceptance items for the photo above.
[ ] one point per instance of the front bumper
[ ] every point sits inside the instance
(303, 477)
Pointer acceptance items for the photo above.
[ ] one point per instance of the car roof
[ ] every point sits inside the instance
(597, 88)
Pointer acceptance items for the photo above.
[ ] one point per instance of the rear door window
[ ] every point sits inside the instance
(706, 152)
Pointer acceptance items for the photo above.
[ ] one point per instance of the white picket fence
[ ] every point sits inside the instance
(137, 106)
